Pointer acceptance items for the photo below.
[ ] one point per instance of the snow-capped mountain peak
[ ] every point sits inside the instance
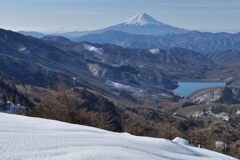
(140, 24)
(142, 19)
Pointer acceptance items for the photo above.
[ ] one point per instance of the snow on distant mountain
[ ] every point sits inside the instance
(204, 42)
(40, 139)
(124, 87)
(143, 24)
(140, 24)
(93, 49)
(154, 51)
(142, 19)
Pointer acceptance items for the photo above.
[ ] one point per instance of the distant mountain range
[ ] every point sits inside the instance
(141, 24)
(204, 42)
(49, 60)
(198, 41)
(55, 59)
(143, 31)
(138, 67)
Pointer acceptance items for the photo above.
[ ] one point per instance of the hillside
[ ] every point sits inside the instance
(34, 138)
(54, 59)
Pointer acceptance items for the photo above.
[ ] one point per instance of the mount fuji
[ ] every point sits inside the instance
(140, 24)
(144, 24)
(142, 19)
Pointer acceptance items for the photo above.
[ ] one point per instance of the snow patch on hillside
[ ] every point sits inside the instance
(124, 87)
(208, 112)
(238, 112)
(23, 50)
(154, 51)
(93, 49)
(40, 139)
(96, 70)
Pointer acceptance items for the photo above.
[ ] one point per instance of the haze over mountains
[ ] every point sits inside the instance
(32, 33)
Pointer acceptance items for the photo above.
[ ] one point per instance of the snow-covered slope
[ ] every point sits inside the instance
(26, 138)
(124, 87)
(142, 19)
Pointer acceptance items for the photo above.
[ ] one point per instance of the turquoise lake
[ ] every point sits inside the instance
(186, 88)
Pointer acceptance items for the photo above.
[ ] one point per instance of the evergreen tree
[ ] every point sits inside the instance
(4, 101)
(14, 99)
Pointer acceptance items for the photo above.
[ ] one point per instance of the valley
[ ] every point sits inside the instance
(122, 89)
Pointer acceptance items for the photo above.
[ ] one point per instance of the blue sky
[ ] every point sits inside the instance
(69, 15)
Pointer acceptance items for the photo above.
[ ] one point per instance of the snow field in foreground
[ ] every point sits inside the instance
(26, 138)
